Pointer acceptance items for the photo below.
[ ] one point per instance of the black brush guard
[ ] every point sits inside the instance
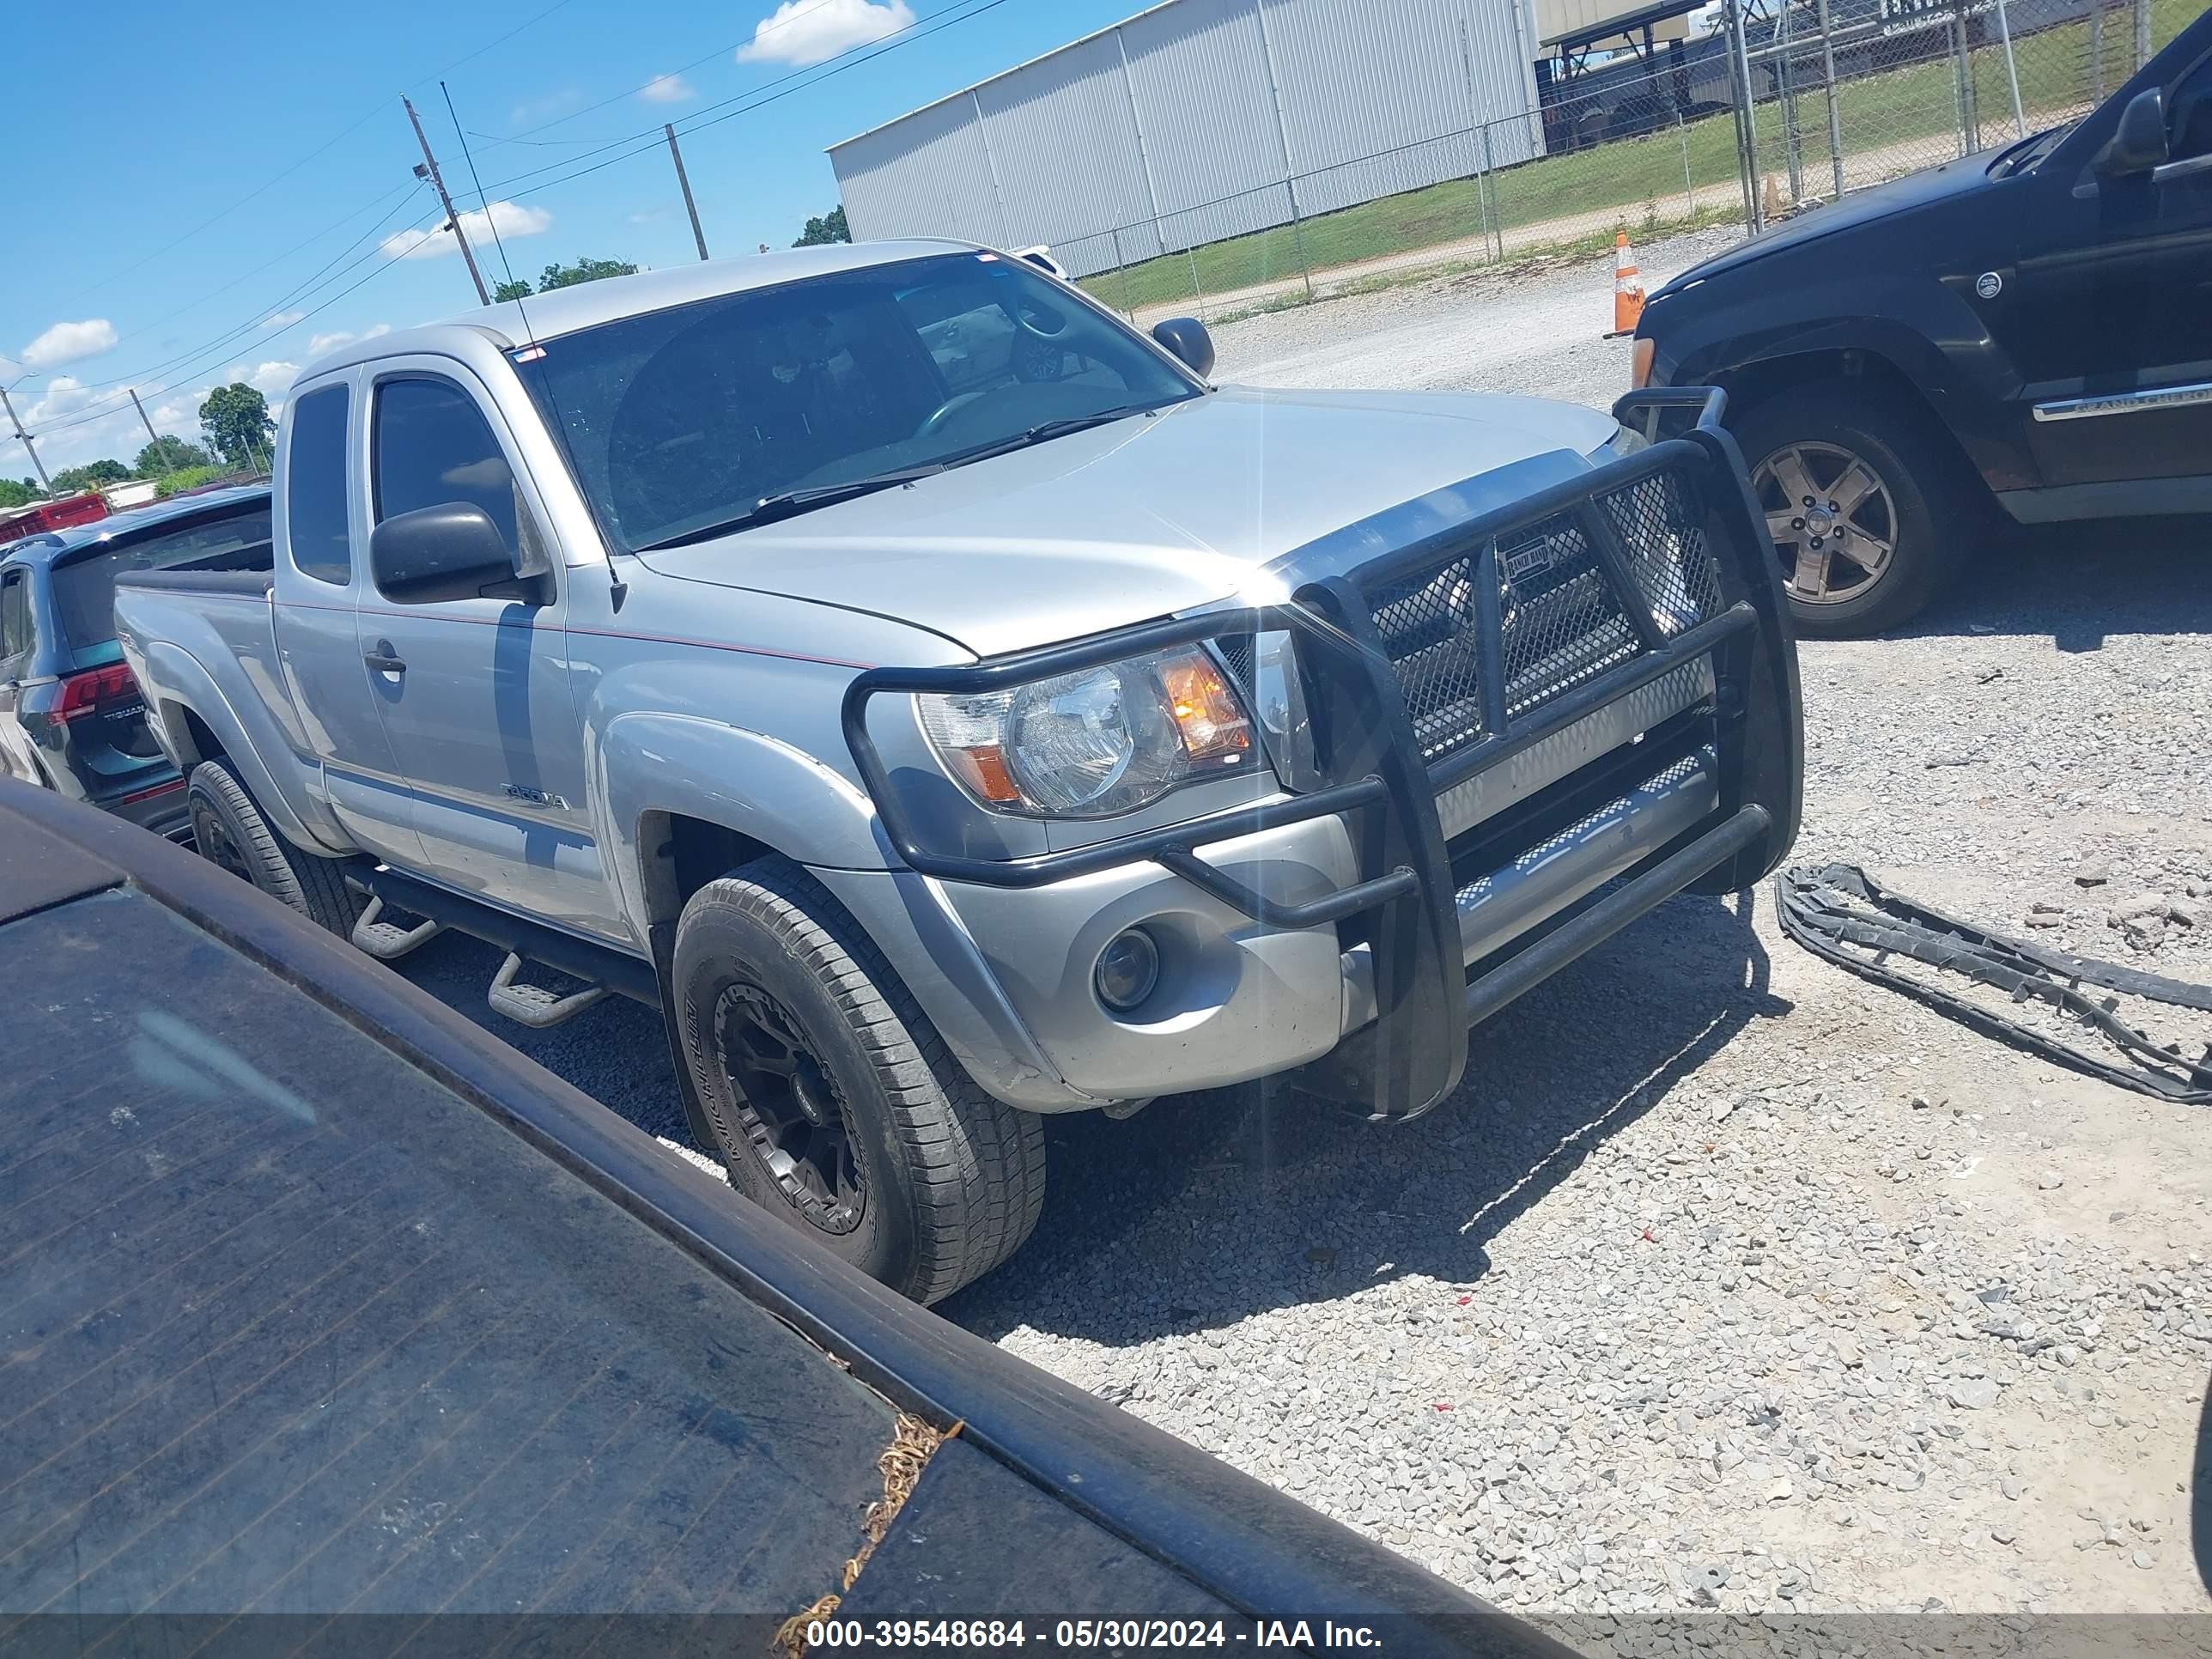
(1371, 763)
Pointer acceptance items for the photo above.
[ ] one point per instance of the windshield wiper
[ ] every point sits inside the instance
(2031, 150)
(784, 503)
(1043, 432)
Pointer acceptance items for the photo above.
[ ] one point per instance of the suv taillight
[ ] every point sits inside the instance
(83, 693)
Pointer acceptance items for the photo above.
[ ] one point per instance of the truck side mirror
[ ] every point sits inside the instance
(450, 551)
(1185, 336)
(2138, 143)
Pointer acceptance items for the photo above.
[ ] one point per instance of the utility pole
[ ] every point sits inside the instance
(9, 406)
(152, 436)
(429, 170)
(690, 206)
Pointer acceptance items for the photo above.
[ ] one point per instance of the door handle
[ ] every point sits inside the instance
(382, 661)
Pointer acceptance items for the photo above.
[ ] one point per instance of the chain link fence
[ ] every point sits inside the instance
(1773, 111)
(1859, 98)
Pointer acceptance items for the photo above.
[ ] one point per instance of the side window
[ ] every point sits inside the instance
(314, 488)
(14, 616)
(434, 445)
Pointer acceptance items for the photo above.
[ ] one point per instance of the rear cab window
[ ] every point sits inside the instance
(316, 530)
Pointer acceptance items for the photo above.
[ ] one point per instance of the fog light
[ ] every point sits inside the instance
(1128, 968)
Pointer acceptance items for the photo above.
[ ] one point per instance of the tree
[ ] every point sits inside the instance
(18, 492)
(235, 418)
(169, 454)
(829, 227)
(75, 480)
(518, 289)
(583, 271)
(189, 477)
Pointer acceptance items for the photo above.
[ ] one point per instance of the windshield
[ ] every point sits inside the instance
(685, 419)
(84, 587)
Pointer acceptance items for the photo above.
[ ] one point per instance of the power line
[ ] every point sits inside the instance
(275, 306)
(753, 99)
(472, 56)
(344, 134)
(185, 365)
(523, 137)
(186, 372)
(491, 219)
(873, 49)
(216, 218)
(298, 291)
(988, 5)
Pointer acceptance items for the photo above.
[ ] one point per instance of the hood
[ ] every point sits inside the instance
(1142, 517)
(1899, 196)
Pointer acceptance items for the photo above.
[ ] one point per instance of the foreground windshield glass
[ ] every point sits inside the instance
(686, 418)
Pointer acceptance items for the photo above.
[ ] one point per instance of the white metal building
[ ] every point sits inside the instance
(1201, 120)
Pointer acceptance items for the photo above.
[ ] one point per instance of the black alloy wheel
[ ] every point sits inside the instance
(789, 1108)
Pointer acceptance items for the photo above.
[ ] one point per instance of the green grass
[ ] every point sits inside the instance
(1916, 105)
(1644, 182)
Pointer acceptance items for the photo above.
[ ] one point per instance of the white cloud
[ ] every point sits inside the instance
(106, 425)
(510, 218)
(319, 344)
(65, 342)
(653, 215)
(282, 318)
(667, 90)
(803, 32)
(271, 380)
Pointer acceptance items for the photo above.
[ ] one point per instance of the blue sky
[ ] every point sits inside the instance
(142, 256)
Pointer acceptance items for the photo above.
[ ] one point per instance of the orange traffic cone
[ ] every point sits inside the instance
(1627, 287)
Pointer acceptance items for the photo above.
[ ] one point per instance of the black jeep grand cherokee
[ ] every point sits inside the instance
(2033, 326)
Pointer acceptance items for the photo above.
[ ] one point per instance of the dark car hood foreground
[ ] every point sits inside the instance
(1899, 196)
(460, 1338)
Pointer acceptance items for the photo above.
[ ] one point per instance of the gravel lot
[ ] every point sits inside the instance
(1727, 1279)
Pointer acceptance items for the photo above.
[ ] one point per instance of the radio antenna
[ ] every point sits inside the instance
(617, 589)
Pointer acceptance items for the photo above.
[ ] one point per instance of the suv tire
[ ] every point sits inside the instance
(835, 1103)
(229, 830)
(1830, 434)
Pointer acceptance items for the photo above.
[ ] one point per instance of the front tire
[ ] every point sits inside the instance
(1865, 539)
(834, 1102)
(229, 830)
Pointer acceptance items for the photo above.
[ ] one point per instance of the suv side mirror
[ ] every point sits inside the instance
(2138, 143)
(450, 551)
(1185, 336)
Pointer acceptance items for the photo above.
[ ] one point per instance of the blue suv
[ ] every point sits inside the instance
(71, 718)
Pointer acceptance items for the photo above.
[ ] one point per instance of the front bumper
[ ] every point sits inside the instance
(1470, 815)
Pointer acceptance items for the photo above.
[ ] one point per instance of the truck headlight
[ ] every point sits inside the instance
(1092, 744)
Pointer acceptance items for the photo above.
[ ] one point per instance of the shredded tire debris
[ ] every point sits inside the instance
(1840, 912)
(913, 1443)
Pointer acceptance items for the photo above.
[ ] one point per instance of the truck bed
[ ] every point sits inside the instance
(252, 583)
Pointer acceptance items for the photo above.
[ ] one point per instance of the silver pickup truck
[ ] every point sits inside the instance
(948, 708)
